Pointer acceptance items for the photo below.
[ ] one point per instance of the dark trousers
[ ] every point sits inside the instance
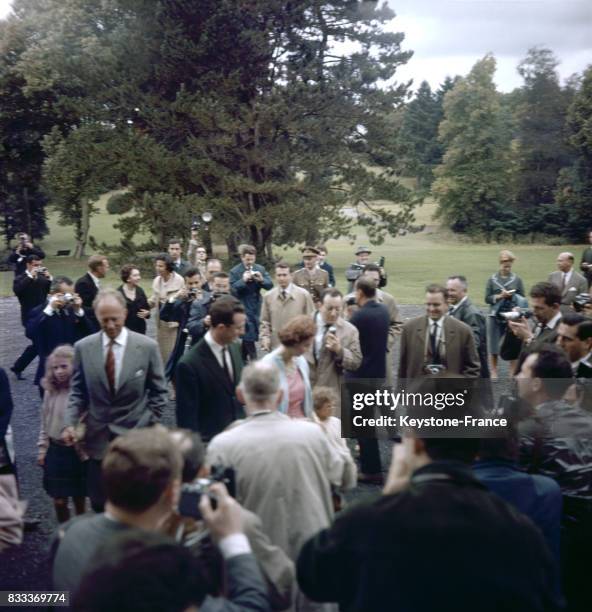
(369, 456)
(95, 485)
(26, 358)
(249, 350)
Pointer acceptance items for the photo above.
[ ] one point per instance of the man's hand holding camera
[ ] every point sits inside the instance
(333, 344)
(226, 518)
(521, 329)
(252, 276)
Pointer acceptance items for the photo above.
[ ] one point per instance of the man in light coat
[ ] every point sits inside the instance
(284, 466)
(334, 350)
(569, 282)
(118, 382)
(280, 305)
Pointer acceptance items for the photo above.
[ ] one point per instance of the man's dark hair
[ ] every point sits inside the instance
(452, 449)
(57, 281)
(435, 288)
(283, 265)
(222, 311)
(572, 318)
(553, 368)
(174, 241)
(366, 286)
(220, 275)
(548, 291)
(138, 467)
(191, 272)
(168, 261)
(141, 570)
(331, 292)
(193, 452)
(371, 267)
(584, 329)
(31, 258)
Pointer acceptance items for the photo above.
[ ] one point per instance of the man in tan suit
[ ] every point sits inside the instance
(284, 302)
(336, 346)
(437, 339)
(569, 282)
(311, 278)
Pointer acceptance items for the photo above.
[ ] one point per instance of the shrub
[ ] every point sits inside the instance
(120, 203)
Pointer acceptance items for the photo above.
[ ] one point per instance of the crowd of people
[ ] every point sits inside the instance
(243, 506)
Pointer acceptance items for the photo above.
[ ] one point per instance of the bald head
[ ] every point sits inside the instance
(111, 311)
(565, 261)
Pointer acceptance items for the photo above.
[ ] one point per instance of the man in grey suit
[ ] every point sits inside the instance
(437, 339)
(569, 282)
(118, 382)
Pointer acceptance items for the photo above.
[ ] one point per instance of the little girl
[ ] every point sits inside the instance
(64, 469)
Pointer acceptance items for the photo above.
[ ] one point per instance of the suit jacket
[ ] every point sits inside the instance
(176, 311)
(577, 284)
(587, 258)
(314, 283)
(49, 331)
(275, 313)
(372, 322)
(438, 521)
(183, 265)
(460, 355)
(328, 370)
(206, 399)
(30, 293)
(250, 295)
(87, 290)
(139, 400)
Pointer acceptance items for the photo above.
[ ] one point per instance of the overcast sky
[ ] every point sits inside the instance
(449, 36)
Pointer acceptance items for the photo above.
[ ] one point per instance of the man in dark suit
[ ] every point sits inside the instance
(438, 513)
(436, 339)
(60, 320)
(118, 381)
(545, 300)
(178, 310)
(372, 322)
(246, 280)
(569, 282)
(199, 319)
(88, 286)
(207, 375)
(23, 249)
(31, 289)
(574, 336)
(175, 250)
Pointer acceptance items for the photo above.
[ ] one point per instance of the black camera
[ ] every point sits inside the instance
(192, 293)
(191, 492)
(581, 301)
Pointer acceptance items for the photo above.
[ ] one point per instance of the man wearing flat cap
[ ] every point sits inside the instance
(311, 278)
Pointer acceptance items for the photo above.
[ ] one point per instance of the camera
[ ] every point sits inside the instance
(350, 301)
(581, 301)
(206, 217)
(68, 298)
(516, 315)
(191, 492)
(332, 330)
(41, 270)
(192, 293)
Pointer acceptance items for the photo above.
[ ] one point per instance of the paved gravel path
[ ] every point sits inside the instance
(26, 567)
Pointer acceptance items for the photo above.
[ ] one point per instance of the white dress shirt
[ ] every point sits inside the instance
(217, 350)
(96, 280)
(119, 345)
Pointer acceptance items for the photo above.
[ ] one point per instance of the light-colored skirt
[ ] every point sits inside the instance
(166, 337)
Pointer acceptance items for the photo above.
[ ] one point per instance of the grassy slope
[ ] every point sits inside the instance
(411, 261)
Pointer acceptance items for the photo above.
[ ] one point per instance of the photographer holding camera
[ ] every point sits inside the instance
(31, 288)
(60, 320)
(199, 314)
(177, 308)
(356, 269)
(23, 249)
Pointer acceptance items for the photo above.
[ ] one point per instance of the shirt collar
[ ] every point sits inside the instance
(212, 343)
(96, 279)
(552, 324)
(457, 306)
(288, 289)
(121, 339)
(439, 322)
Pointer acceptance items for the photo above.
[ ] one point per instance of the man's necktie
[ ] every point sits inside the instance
(283, 295)
(225, 365)
(434, 343)
(110, 367)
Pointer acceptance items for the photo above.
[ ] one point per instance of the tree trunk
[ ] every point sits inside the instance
(232, 248)
(83, 228)
(28, 224)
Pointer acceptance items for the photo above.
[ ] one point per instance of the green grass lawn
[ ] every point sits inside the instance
(412, 261)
